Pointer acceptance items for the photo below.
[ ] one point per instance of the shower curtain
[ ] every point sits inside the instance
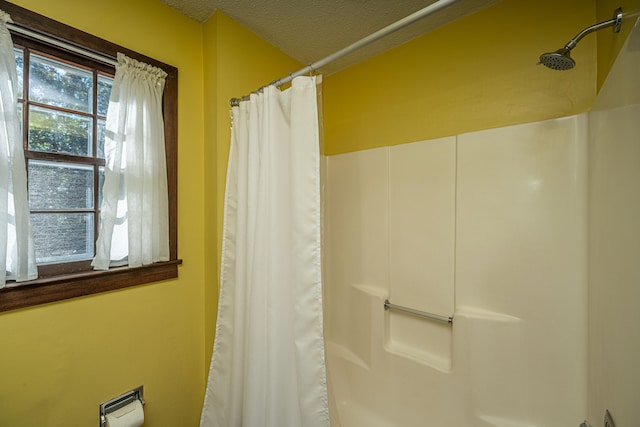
(268, 365)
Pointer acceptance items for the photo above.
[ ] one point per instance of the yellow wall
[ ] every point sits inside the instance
(236, 63)
(60, 360)
(609, 43)
(211, 194)
(477, 73)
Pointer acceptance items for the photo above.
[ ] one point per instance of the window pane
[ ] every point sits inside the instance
(104, 91)
(62, 237)
(100, 185)
(21, 118)
(20, 69)
(54, 83)
(102, 127)
(59, 132)
(54, 185)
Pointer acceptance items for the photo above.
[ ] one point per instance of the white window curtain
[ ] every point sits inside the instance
(17, 250)
(134, 226)
(268, 365)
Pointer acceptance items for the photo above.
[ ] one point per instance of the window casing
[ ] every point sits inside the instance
(76, 160)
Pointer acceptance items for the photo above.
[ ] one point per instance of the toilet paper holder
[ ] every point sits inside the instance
(121, 401)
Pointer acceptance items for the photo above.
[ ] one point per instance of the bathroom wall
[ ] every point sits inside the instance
(479, 73)
(609, 43)
(476, 73)
(488, 227)
(60, 360)
(614, 249)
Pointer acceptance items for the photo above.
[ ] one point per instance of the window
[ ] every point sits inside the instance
(64, 108)
(64, 99)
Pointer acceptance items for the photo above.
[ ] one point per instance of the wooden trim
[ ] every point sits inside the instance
(170, 109)
(57, 288)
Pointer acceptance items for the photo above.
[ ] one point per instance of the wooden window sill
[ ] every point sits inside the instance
(56, 288)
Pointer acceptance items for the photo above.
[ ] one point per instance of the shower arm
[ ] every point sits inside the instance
(615, 22)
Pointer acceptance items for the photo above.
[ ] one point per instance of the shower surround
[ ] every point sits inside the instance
(527, 235)
(489, 227)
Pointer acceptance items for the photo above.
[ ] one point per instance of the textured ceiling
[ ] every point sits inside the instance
(309, 30)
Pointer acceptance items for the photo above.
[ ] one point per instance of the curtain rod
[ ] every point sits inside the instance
(62, 44)
(398, 25)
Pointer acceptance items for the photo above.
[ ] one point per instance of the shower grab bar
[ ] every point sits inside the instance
(430, 316)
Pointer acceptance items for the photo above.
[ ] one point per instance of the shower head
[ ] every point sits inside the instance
(560, 59)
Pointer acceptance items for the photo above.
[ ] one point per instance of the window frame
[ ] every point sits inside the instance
(77, 280)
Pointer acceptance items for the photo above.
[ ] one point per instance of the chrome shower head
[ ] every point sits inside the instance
(560, 59)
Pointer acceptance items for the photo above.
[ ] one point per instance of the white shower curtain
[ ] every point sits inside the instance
(268, 361)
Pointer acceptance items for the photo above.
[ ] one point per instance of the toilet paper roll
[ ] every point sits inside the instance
(131, 415)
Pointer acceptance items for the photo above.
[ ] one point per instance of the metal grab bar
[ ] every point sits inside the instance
(431, 316)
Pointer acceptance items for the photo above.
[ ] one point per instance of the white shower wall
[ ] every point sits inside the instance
(614, 241)
(489, 227)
